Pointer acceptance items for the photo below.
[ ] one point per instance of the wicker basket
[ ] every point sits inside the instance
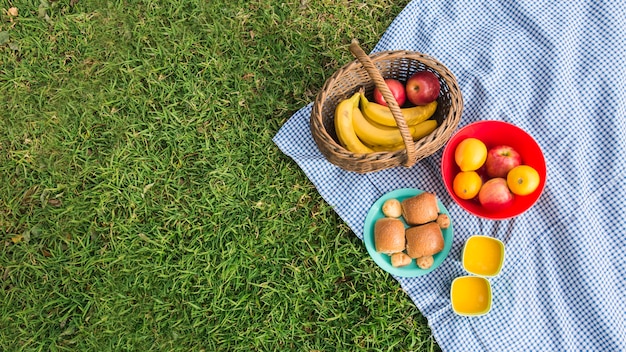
(368, 72)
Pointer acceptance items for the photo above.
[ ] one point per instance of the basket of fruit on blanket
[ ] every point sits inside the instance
(392, 108)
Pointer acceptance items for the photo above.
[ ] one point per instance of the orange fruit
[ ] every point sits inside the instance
(466, 184)
(470, 154)
(522, 180)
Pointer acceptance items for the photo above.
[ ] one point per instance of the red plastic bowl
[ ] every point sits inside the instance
(494, 133)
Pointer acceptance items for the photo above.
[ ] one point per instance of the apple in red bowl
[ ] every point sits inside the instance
(501, 159)
(508, 146)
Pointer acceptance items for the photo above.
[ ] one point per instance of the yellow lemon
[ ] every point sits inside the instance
(466, 184)
(522, 180)
(470, 154)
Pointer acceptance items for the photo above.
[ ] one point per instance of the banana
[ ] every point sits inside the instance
(372, 133)
(382, 114)
(345, 127)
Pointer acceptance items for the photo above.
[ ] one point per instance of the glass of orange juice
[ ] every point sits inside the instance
(483, 255)
(471, 295)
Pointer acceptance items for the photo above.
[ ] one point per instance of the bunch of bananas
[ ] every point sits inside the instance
(367, 127)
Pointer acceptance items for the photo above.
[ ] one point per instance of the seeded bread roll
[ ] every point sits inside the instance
(389, 235)
(420, 209)
(424, 240)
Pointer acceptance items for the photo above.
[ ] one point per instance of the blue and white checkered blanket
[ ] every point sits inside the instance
(557, 70)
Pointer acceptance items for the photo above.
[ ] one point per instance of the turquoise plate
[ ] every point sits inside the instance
(383, 260)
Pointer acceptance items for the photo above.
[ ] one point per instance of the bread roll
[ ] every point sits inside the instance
(443, 220)
(424, 240)
(420, 209)
(392, 208)
(389, 235)
(400, 259)
(425, 262)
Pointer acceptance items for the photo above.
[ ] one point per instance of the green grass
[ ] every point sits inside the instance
(143, 204)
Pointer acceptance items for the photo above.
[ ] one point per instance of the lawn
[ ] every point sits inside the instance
(143, 204)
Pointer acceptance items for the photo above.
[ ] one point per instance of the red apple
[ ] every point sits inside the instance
(500, 160)
(495, 194)
(422, 88)
(397, 90)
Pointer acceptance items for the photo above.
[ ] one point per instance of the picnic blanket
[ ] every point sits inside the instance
(558, 71)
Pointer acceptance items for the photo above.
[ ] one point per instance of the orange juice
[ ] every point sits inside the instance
(483, 255)
(471, 295)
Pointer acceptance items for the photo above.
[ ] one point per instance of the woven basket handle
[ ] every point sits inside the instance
(379, 81)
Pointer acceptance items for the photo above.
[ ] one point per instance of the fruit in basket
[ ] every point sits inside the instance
(466, 184)
(495, 194)
(383, 116)
(372, 134)
(422, 87)
(500, 160)
(470, 154)
(345, 128)
(397, 90)
(523, 180)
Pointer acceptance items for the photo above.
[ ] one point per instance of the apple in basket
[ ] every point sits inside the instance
(422, 87)
(397, 90)
(500, 160)
(495, 194)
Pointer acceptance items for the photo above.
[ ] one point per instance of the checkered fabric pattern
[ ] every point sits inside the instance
(557, 70)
